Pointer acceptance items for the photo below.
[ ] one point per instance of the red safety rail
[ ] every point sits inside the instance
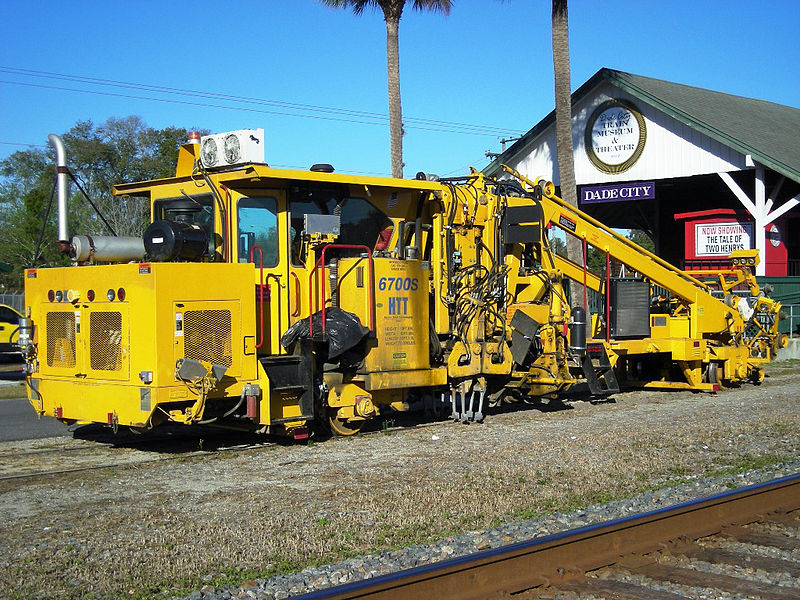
(320, 264)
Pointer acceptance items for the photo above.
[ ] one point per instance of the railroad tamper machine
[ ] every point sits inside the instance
(267, 299)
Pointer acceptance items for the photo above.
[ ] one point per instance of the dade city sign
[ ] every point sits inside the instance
(640, 190)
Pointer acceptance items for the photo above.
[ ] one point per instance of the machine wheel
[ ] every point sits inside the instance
(341, 426)
(712, 374)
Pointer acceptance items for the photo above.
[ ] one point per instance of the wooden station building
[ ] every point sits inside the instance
(702, 172)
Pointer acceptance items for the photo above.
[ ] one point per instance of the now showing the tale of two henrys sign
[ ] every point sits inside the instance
(720, 239)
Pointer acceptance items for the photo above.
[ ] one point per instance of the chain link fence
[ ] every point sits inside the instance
(15, 300)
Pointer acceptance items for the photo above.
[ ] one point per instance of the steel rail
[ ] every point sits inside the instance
(543, 561)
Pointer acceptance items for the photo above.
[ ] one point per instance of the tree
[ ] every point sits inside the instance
(564, 148)
(642, 238)
(392, 11)
(118, 150)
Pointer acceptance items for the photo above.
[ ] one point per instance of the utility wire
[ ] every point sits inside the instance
(356, 116)
(239, 108)
(274, 165)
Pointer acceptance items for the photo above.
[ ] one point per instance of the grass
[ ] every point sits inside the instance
(12, 391)
(792, 364)
(379, 494)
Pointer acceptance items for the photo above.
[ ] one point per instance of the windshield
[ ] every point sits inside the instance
(361, 222)
(258, 228)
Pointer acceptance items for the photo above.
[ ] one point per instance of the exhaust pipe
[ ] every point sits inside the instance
(63, 188)
(83, 247)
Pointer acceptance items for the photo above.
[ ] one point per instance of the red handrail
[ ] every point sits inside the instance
(321, 265)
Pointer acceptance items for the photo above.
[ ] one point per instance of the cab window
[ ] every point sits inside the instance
(190, 209)
(361, 222)
(258, 227)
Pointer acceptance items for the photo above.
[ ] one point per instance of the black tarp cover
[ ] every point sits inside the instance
(343, 329)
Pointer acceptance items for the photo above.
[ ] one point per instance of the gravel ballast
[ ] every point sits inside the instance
(235, 523)
(315, 578)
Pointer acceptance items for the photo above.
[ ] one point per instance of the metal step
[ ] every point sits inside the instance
(292, 374)
(598, 371)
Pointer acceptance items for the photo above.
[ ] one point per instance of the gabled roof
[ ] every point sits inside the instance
(768, 132)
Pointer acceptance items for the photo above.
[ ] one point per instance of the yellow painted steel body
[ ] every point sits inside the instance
(118, 357)
(445, 275)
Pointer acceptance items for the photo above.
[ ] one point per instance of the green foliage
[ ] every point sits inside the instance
(643, 239)
(117, 151)
(391, 8)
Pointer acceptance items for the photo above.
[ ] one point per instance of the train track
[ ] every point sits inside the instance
(639, 557)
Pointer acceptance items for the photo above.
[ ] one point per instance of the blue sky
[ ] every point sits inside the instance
(488, 64)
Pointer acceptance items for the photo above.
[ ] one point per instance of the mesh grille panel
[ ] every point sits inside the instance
(61, 339)
(207, 336)
(105, 341)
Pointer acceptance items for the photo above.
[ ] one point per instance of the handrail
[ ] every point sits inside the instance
(296, 294)
(260, 339)
(321, 265)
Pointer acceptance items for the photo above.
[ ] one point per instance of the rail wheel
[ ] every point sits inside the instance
(340, 426)
(712, 373)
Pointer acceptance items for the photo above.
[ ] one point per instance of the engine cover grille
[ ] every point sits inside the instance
(207, 336)
(61, 339)
(105, 341)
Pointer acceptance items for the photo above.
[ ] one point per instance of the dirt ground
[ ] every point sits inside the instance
(144, 528)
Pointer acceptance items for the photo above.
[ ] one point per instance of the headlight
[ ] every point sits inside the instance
(110, 294)
(209, 153)
(233, 149)
(59, 296)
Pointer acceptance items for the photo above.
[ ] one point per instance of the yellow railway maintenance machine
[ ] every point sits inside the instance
(266, 299)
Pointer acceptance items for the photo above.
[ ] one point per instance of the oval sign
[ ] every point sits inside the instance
(615, 136)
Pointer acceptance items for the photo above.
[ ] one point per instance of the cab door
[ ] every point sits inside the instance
(261, 239)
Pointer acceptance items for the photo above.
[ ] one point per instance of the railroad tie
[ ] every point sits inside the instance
(747, 536)
(734, 585)
(610, 589)
(739, 559)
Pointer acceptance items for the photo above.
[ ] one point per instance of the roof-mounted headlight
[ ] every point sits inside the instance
(233, 149)
(209, 153)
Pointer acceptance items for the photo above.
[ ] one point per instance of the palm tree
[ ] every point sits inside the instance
(564, 150)
(392, 11)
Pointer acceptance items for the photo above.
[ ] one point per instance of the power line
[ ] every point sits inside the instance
(22, 144)
(302, 110)
(239, 108)
(274, 165)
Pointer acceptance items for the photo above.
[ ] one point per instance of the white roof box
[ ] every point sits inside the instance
(232, 148)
